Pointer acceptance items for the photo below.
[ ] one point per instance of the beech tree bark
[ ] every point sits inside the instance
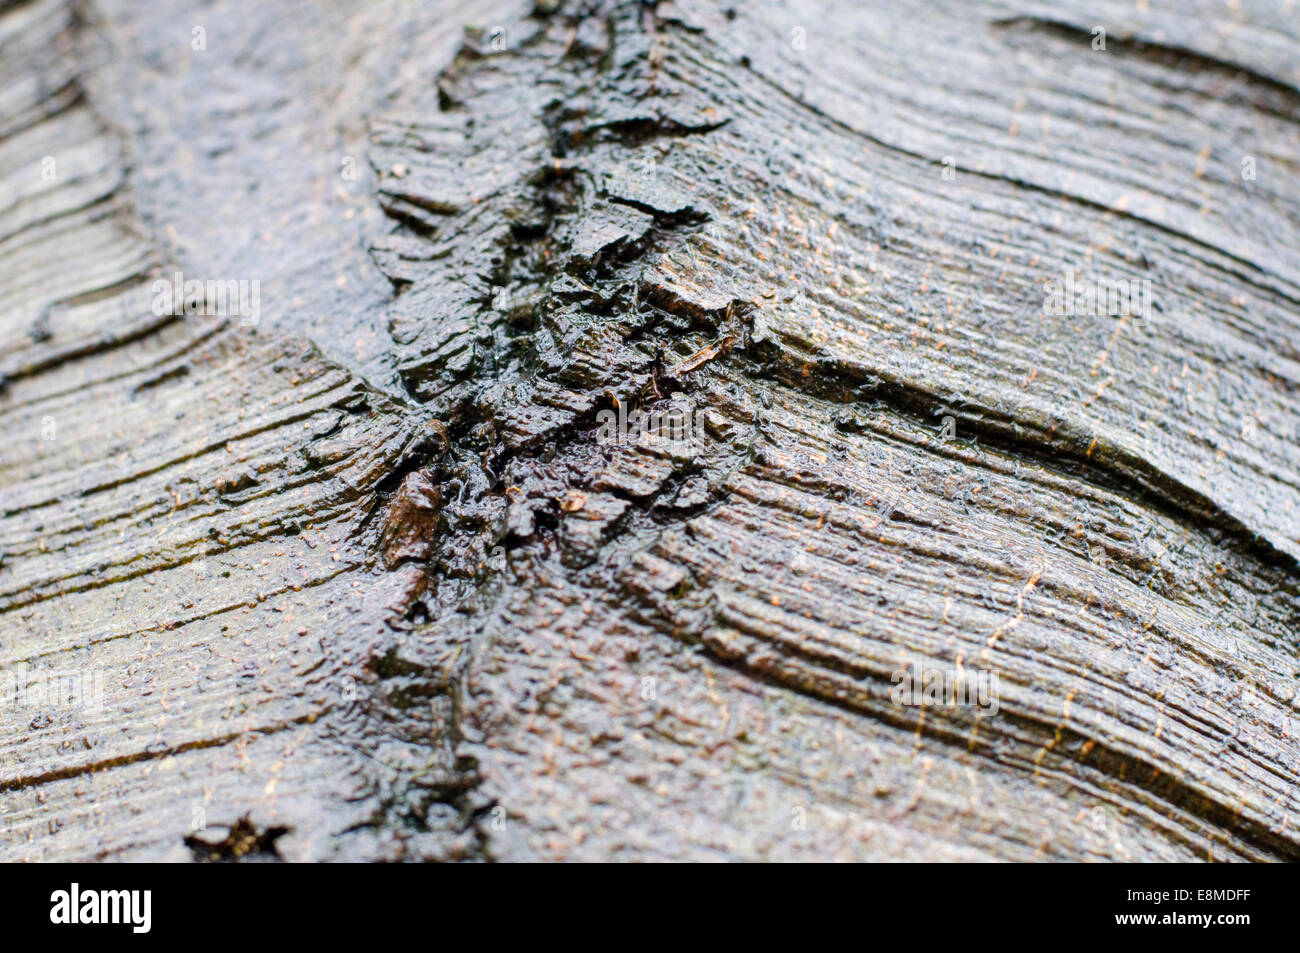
(366, 579)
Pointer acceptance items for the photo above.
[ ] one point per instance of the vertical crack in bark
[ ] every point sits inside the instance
(537, 265)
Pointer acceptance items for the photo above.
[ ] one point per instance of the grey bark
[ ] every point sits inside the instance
(375, 580)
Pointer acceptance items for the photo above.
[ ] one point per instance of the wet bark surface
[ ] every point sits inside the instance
(388, 576)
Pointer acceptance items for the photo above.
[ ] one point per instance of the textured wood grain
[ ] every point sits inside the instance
(178, 516)
(523, 641)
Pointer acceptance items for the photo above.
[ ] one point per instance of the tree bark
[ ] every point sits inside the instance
(392, 573)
